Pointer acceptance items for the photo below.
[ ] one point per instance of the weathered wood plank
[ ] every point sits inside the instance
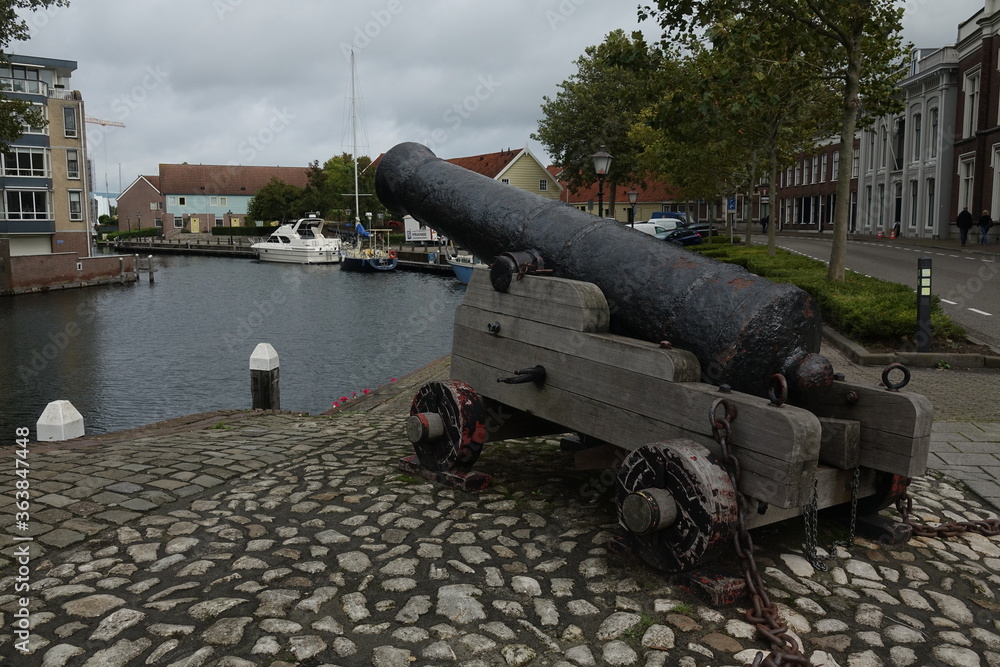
(895, 426)
(840, 445)
(568, 304)
(627, 355)
(777, 447)
(794, 438)
(833, 487)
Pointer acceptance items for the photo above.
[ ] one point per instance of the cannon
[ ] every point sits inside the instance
(673, 360)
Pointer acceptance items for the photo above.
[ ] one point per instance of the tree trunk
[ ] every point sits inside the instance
(838, 254)
(771, 202)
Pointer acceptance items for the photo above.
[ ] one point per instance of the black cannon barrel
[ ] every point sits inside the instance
(743, 329)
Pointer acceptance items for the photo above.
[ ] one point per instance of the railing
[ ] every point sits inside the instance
(26, 86)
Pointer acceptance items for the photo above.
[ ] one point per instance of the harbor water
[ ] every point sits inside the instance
(132, 355)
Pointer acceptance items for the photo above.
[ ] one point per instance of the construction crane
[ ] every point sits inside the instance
(102, 121)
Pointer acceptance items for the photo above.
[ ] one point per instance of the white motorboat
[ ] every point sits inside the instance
(299, 242)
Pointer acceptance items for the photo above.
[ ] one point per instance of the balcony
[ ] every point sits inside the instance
(27, 87)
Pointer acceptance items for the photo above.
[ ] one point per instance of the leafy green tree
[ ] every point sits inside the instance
(856, 45)
(13, 27)
(597, 107)
(275, 201)
(330, 189)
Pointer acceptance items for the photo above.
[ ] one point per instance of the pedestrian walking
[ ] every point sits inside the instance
(763, 224)
(985, 222)
(964, 223)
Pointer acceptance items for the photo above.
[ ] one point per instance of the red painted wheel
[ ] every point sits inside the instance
(677, 504)
(447, 425)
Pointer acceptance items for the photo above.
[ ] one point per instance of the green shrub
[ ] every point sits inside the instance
(135, 233)
(865, 309)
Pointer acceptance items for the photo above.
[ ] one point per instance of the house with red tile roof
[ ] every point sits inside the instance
(196, 197)
(519, 168)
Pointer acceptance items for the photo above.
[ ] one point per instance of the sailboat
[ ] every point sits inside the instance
(370, 252)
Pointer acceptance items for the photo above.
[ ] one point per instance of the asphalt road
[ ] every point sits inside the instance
(967, 282)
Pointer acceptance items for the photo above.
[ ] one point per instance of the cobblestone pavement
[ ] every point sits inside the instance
(241, 538)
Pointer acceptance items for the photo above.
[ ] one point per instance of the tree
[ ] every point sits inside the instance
(330, 189)
(275, 201)
(13, 27)
(597, 107)
(857, 44)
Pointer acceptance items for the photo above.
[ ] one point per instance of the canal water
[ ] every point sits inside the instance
(131, 355)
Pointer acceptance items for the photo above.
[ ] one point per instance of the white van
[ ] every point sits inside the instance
(657, 229)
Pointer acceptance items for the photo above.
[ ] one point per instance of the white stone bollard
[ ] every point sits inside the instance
(59, 421)
(264, 387)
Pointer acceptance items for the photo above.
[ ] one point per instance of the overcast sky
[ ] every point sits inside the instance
(266, 83)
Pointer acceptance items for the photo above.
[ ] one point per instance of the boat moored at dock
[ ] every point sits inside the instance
(300, 242)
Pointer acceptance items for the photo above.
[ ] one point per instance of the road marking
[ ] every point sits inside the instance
(981, 312)
(950, 303)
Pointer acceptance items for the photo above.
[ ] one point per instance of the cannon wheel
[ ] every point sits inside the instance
(676, 502)
(462, 425)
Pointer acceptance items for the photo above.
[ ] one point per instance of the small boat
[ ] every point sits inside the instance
(299, 242)
(463, 265)
(371, 252)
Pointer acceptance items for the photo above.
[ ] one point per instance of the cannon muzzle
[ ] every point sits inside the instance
(743, 328)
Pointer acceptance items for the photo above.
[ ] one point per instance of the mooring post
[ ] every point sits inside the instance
(264, 378)
(149, 259)
(924, 304)
(59, 421)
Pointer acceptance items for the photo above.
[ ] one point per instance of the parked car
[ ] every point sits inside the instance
(704, 229)
(683, 235)
(681, 217)
(656, 229)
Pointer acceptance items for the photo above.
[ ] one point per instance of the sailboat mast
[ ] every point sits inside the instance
(354, 142)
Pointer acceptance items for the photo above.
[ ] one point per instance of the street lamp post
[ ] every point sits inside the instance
(602, 162)
(633, 197)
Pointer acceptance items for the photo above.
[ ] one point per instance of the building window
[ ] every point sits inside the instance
(966, 178)
(214, 202)
(505, 181)
(153, 206)
(69, 121)
(917, 137)
(798, 173)
(23, 161)
(835, 170)
(157, 222)
(934, 133)
(931, 212)
(822, 173)
(26, 205)
(815, 169)
(914, 202)
(44, 129)
(178, 223)
(182, 201)
(855, 162)
(543, 185)
(971, 117)
(223, 201)
(871, 150)
(72, 163)
(75, 205)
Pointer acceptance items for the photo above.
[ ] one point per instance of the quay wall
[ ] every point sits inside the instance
(37, 273)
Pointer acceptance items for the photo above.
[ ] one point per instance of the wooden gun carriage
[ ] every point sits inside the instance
(545, 352)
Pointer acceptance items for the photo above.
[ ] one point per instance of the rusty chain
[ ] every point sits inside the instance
(904, 505)
(763, 614)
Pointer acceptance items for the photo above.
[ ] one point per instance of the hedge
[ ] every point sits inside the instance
(868, 310)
